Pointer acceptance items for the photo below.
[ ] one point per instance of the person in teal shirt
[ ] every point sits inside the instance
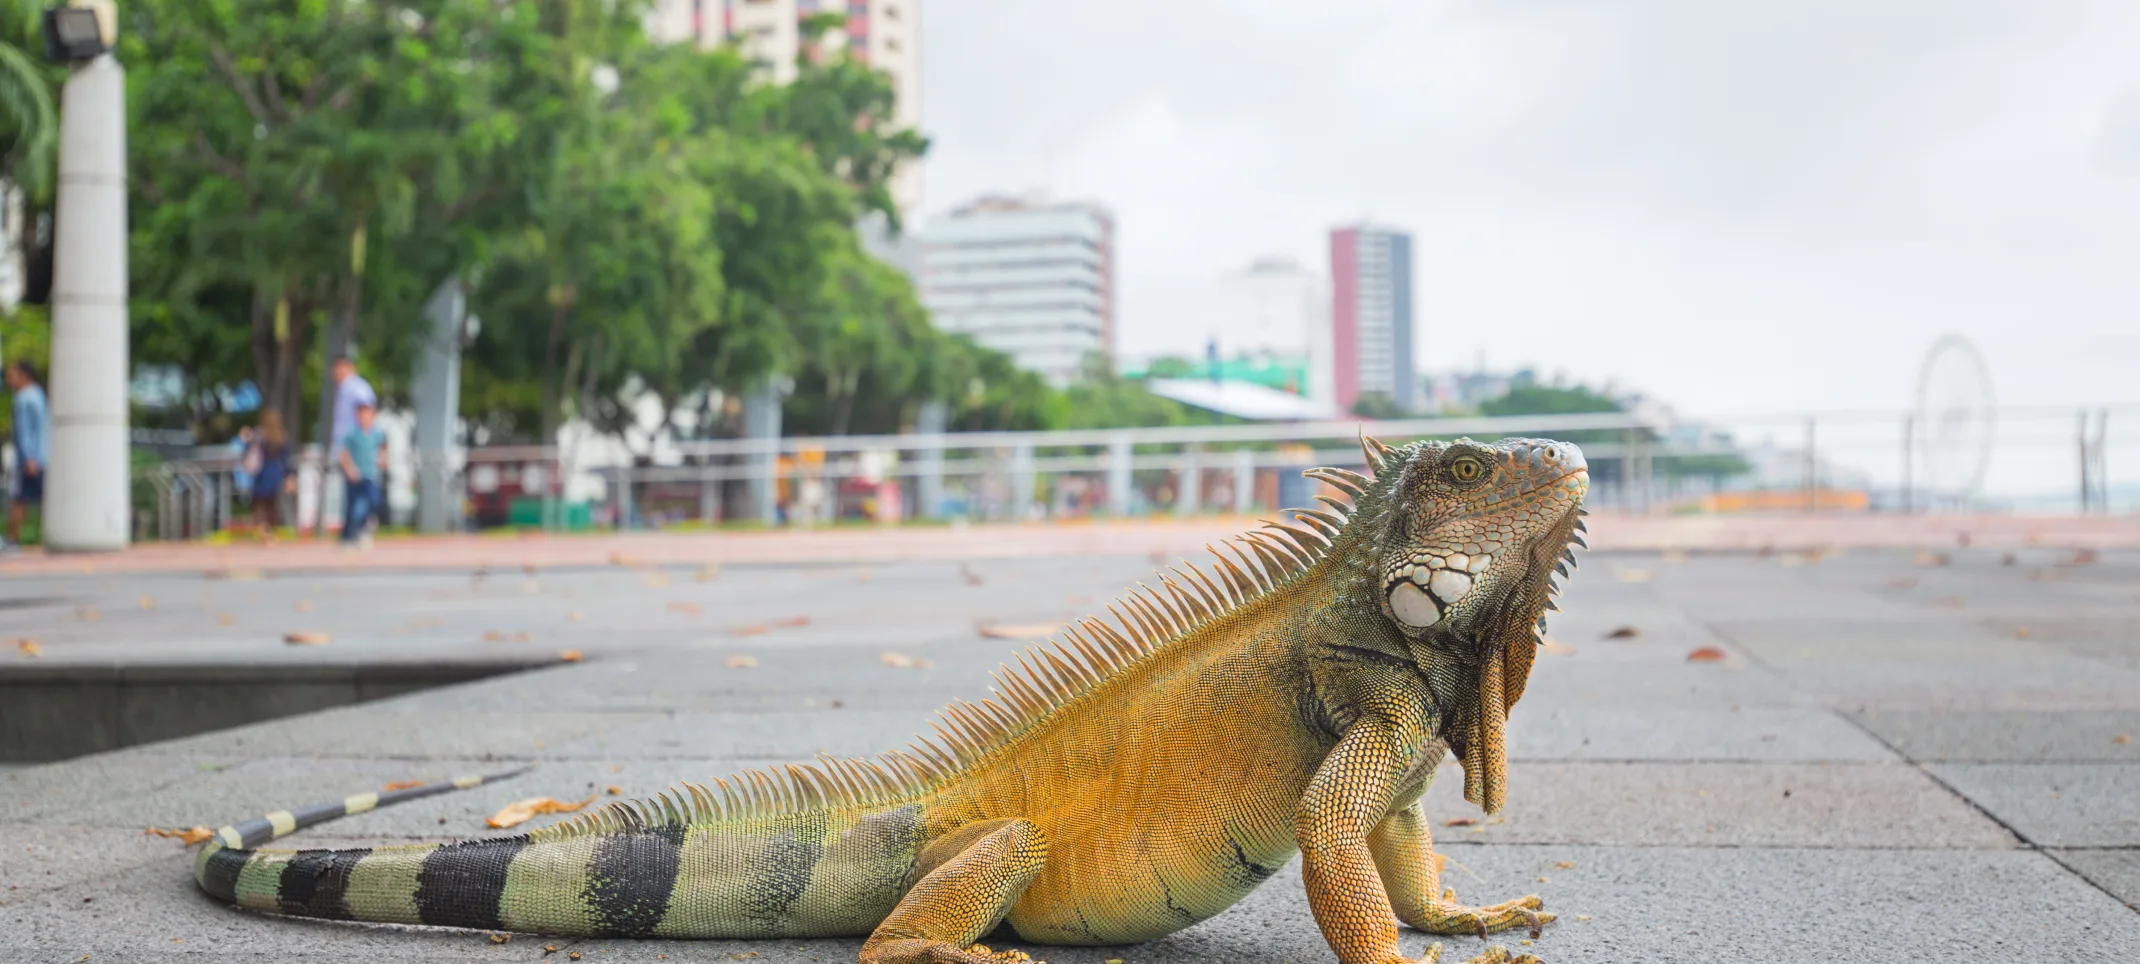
(363, 449)
(32, 428)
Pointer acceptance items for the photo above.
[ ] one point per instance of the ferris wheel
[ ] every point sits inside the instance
(1953, 422)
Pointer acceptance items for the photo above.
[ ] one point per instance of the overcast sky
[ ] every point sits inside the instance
(1734, 206)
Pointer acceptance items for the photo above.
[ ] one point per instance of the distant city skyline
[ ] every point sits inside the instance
(1742, 208)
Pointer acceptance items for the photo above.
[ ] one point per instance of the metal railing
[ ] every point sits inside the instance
(1865, 460)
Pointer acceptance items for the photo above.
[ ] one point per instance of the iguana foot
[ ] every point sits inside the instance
(923, 951)
(1446, 916)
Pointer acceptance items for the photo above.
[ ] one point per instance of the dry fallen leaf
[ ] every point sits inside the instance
(1926, 557)
(401, 785)
(521, 811)
(757, 629)
(686, 607)
(1017, 630)
(29, 648)
(190, 835)
(148, 602)
(570, 656)
(709, 572)
(2122, 739)
(657, 580)
(741, 661)
(2021, 632)
(225, 619)
(1624, 632)
(1950, 602)
(1564, 864)
(1632, 575)
(499, 938)
(2085, 557)
(1459, 822)
(614, 790)
(303, 606)
(792, 621)
(971, 577)
(307, 639)
(576, 616)
(1706, 654)
(88, 613)
(500, 636)
(1547, 645)
(903, 661)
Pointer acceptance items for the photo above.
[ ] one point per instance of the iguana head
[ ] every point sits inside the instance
(1475, 533)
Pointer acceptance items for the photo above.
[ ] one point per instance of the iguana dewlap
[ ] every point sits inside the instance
(1132, 779)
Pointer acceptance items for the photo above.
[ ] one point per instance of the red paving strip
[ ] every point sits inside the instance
(1169, 537)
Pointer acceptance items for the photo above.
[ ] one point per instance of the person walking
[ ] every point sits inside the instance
(350, 391)
(269, 458)
(32, 428)
(362, 451)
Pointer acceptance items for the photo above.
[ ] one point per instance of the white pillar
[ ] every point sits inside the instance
(1119, 480)
(1244, 481)
(1022, 479)
(87, 504)
(437, 391)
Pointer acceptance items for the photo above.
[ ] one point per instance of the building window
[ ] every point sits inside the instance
(891, 12)
(891, 44)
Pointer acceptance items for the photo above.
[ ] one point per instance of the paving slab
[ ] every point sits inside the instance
(2107, 736)
(2116, 871)
(2055, 804)
(1718, 805)
(1683, 731)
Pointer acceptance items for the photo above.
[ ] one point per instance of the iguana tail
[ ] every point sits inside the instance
(758, 858)
(384, 884)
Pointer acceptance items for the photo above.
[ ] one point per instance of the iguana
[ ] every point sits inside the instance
(1123, 783)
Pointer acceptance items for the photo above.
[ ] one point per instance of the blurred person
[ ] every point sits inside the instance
(270, 461)
(32, 428)
(350, 391)
(362, 450)
(241, 445)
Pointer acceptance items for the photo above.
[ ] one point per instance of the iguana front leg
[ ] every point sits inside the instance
(966, 894)
(1343, 806)
(1411, 873)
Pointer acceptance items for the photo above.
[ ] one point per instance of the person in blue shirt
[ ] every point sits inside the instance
(241, 445)
(363, 449)
(33, 427)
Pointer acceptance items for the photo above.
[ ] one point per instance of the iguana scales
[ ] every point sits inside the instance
(1126, 782)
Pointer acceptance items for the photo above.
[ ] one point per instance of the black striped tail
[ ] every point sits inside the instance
(309, 877)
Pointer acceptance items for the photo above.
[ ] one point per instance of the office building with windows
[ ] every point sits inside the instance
(1031, 278)
(1371, 315)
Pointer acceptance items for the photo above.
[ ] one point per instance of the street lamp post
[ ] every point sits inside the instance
(88, 482)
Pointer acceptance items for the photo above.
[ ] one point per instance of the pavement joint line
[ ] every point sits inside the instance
(1855, 722)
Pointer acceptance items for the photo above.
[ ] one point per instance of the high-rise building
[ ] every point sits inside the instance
(1371, 315)
(1277, 309)
(1030, 278)
(885, 34)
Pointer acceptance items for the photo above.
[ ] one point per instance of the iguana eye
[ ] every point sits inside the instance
(1467, 469)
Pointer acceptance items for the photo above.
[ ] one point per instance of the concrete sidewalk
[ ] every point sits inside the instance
(1900, 756)
(505, 551)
